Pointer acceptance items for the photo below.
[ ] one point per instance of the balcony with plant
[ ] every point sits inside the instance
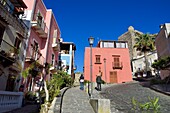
(8, 53)
(39, 25)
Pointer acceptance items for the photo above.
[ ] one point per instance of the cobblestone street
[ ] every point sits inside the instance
(122, 94)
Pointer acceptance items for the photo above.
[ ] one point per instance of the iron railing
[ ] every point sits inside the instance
(40, 22)
(8, 50)
(117, 65)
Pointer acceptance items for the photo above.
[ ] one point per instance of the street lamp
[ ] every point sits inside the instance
(91, 40)
(105, 69)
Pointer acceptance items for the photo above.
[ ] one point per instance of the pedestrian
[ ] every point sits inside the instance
(81, 79)
(99, 81)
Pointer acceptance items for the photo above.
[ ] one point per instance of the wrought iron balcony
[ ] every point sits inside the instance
(117, 65)
(37, 57)
(40, 26)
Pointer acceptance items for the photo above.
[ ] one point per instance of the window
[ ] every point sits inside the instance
(116, 62)
(53, 60)
(35, 50)
(17, 43)
(2, 29)
(118, 44)
(121, 45)
(55, 37)
(108, 44)
(98, 59)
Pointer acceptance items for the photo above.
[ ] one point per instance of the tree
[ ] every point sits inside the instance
(162, 64)
(145, 43)
(52, 88)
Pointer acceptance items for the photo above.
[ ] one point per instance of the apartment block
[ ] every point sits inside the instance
(43, 42)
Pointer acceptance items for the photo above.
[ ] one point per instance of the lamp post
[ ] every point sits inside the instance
(105, 69)
(91, 40)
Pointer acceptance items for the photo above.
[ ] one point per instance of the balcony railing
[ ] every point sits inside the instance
(117, 65)
(39, 58)
(11, 17)
(8, 53)
(40, 26)
(10, 100)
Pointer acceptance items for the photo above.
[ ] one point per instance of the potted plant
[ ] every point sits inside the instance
(13, 52)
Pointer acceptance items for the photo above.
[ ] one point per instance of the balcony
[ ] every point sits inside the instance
(15, 68)
(55, 47)
(36, 58)
(40, 61)
(10, 14)
(40, 27)
(8, 53)
(74, 67)
(53, 69)
(117, 65)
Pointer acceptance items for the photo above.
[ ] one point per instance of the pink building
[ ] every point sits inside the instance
(112, 59)
(43, 40)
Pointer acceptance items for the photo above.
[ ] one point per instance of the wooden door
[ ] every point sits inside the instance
(113, 77)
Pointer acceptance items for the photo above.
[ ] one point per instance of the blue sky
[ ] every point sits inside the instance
(105, 19)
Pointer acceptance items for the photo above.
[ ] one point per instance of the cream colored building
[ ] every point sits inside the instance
(136, 57)
(139, 62)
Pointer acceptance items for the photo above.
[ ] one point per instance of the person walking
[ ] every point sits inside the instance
(99, 81)
(81, 79)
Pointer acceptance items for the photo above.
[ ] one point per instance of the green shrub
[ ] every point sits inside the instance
(58, 81)
(30, 96)
(152, 106)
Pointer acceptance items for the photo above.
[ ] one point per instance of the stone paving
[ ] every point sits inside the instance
(76, 101)
(121, 95)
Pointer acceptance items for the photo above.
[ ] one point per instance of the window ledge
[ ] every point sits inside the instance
(98, 63)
